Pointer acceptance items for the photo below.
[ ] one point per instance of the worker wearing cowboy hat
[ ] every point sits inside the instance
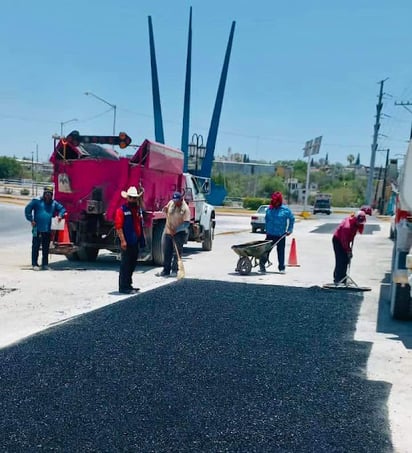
(129, 228)
(177, 222)
(39, 213)
(343, 241)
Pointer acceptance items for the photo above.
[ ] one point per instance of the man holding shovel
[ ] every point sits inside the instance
(177, 222)
(342, 241)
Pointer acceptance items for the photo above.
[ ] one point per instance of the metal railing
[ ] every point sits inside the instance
(22, 187)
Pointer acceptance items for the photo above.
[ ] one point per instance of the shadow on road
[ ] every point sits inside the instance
(402, 330)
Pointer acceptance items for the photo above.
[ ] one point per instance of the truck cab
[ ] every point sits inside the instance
(202, 227)
(322, 204)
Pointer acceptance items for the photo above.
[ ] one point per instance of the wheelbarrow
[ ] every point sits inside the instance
(250, 254)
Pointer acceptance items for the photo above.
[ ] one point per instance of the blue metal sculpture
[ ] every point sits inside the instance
(206, 168)
(186, 105)
(214, 125)
(157, 108)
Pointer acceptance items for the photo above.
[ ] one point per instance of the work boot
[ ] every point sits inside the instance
(162, 274)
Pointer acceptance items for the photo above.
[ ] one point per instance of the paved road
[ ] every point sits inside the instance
(198, 366)
(216, 362)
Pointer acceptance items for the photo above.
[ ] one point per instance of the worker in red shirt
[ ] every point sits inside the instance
(128, 224)
(343, 241)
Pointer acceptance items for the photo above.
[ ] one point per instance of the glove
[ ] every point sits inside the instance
(350, 255)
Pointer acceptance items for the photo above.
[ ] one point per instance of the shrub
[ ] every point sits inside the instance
(254, 203)
(25, 191)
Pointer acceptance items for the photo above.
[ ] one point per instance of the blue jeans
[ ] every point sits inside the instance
(170, 258)
(280, 247)
(42, 239)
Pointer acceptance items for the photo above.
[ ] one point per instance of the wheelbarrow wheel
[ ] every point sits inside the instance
(244, 266)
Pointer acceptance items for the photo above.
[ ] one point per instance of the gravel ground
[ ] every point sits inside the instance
(198, 366)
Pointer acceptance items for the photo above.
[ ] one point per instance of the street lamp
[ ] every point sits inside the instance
(113, 106)
(196, 149)
(62, 123)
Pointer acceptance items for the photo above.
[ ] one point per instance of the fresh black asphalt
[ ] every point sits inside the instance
(198, 366)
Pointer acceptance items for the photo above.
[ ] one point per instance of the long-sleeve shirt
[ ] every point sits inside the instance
(279, 221)
(346, 232)
(42, 213)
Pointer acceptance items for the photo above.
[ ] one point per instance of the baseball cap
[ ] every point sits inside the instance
(177, 196)
(361, 217)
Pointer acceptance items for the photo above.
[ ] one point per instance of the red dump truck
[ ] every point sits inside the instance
(401, 297)
(88, 181)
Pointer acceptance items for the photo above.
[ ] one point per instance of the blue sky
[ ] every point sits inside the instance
(298, 70)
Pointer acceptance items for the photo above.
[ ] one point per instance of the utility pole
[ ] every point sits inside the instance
(374, 147)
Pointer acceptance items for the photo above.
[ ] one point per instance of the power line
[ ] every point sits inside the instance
(405, 105)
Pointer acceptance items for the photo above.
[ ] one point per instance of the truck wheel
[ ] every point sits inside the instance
(208, 239)
(157, 244)
(73, 256)
(87, 253)
(401, 303)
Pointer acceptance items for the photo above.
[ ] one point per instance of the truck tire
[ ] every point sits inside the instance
(401, 303)
(208, 239)
(87, 253)
(73, 256)
(158, 244)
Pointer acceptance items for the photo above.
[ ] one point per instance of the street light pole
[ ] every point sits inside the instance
(113, 106)
(62, 123)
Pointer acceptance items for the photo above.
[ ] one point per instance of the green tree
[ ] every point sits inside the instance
(10, 168)
(350, 158)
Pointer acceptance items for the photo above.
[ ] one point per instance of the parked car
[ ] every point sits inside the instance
(322, 205)
(257, 220)
(366, 209)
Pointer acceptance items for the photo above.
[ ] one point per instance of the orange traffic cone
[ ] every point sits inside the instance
(63, 236)
(293, 259)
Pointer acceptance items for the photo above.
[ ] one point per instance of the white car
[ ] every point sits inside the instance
(257, 220)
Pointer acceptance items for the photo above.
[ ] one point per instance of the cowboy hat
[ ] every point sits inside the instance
(131, 192)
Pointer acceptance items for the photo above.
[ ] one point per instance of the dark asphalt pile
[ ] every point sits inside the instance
(198, 366)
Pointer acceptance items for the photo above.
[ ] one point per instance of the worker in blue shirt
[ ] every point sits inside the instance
(39, 213)
(279, 222)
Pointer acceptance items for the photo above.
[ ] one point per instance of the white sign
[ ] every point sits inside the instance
(312, 147)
